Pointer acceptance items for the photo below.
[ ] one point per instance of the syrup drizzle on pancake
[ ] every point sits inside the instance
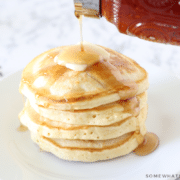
(22, 128)
(131, 106)
(109, 72)
(150, 144)
(81, 36)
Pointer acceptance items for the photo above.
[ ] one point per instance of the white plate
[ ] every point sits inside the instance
(20, 158)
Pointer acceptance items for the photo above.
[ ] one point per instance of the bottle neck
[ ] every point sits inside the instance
(88, 8)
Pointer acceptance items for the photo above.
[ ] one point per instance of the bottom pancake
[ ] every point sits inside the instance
(89, 150)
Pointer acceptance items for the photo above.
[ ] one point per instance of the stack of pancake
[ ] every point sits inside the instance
(95, 114)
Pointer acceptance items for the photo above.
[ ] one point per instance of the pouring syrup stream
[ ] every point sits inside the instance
(81, 36)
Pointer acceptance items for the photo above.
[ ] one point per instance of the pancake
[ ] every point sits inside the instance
(89, 151)
(51, 85)
(56, 129)
(85, 105)
(102, 115)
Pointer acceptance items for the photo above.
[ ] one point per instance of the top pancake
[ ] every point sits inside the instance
(55, 86)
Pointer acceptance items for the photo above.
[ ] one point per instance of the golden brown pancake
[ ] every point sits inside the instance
(101, 115)
(85, 112)
(89, 151)
(56, 129)
(54, 86)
